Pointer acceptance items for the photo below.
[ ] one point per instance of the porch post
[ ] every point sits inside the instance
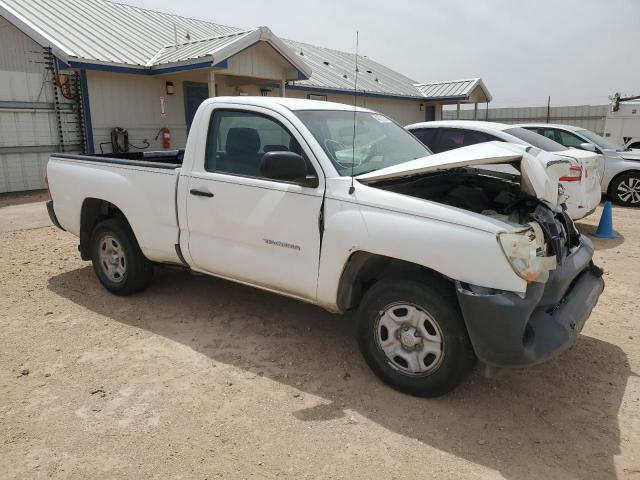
(212, 83)
(283, 84)
(475, 111)
(458, 111)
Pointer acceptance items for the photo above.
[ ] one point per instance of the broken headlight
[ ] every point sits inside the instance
(527, 253)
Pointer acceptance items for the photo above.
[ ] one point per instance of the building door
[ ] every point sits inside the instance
(431, 113)
(194, 95)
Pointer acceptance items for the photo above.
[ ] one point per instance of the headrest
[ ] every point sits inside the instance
(243, 141)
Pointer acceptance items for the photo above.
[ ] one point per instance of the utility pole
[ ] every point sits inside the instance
(549, 109)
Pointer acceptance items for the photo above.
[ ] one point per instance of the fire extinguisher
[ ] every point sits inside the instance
(166, 137)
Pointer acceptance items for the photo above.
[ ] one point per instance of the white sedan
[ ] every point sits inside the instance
(581, 183)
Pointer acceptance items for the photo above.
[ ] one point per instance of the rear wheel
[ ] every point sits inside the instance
(117, 259)
(625, 189)
(413, 337)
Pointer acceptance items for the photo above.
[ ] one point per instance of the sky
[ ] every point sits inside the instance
(576, 51)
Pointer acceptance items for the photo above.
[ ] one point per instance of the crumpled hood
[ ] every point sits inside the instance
(540, 171)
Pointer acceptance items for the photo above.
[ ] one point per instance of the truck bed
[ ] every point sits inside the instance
(142, 185)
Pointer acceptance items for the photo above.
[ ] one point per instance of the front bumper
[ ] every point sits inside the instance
(52, 214)
(507, 330)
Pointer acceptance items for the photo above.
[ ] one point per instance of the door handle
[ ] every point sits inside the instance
(200, 193)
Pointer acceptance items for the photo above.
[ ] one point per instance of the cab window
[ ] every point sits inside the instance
(237, 141)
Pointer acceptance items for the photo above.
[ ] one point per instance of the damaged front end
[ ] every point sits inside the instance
(511, 184)
(537, 237)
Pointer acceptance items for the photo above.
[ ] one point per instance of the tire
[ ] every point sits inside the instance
(425, 372)
(117, 259)
(625, 189)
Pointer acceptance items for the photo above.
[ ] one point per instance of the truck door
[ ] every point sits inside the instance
(244, 226)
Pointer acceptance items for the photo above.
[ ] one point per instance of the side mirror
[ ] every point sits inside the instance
(287, 166)
(589, 147)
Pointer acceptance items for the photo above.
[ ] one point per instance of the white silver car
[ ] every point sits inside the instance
(621, 178)
(581, 183)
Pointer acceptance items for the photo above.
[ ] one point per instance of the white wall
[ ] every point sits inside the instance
(132, 102)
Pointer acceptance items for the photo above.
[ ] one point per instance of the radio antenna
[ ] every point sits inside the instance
(352, 188)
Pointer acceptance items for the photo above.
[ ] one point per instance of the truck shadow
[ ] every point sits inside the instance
(554, 420)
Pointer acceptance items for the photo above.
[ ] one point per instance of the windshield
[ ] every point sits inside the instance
(535, 139)
(597, 139)
(379, 141)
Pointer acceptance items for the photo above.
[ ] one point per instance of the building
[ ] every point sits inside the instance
(72, 71)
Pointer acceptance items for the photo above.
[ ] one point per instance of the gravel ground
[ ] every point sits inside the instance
(202, 378)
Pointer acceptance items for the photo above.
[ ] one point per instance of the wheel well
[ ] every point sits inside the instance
(94, 210)
(364, 269)
(614, 179)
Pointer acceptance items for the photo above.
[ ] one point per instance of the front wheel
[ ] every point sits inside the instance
(625, 190)
(117, 259)
(413, 337)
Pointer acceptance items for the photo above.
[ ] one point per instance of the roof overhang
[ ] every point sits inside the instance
(472, 90)
(35, 33)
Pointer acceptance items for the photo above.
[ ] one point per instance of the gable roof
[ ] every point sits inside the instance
(453, 89)
(219, 48)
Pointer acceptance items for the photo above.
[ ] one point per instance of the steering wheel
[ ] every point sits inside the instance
(332, 146)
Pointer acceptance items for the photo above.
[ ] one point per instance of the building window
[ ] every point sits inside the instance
(312, 96)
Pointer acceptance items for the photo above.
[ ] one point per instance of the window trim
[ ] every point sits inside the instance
(234, 174)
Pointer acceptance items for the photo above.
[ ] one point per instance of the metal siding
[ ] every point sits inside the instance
(23, 82)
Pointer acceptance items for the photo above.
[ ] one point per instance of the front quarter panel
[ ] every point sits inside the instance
(424, 233)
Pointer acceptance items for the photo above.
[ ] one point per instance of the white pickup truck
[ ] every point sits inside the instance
(444, 262)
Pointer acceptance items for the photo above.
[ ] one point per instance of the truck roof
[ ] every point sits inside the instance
(288, 103)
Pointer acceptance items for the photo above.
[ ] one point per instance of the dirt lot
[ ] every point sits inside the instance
(201, 378)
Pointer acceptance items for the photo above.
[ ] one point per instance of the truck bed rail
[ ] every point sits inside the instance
(150, 161)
